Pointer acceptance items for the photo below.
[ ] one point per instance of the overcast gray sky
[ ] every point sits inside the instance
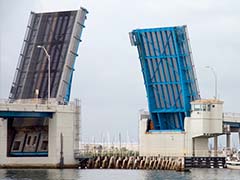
(108, 77)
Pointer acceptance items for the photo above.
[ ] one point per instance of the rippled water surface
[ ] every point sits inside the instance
(68, 174)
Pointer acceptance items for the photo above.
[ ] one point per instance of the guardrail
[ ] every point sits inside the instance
(29, 101)
(204, 162)
(231, 114)
(37, 104)
(52, 101)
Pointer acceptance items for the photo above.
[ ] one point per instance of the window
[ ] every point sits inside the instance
(204, 107)
(201, 107)
(209, 107)
(197, 107)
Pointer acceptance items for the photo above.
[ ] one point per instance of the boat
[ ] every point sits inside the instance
(233, 160)
(233, 164)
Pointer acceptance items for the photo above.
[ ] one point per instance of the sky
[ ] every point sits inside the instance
(108, 77)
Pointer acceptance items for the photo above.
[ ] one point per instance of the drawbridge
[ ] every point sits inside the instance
(169, 74)
(60, 34)
(174, 98)
(29, 111)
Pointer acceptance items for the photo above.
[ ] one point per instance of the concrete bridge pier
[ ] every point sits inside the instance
(228, 140)
(215, 145)
(239, 137)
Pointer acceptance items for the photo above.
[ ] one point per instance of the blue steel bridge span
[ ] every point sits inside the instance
(169, 74)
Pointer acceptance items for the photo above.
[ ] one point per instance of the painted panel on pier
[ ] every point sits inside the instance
(27, 137)
(59, 33)
(169, 74)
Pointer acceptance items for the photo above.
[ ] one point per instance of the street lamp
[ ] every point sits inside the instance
(48, 57)
(215, 76)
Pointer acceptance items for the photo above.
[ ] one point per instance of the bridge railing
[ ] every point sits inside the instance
(37, 104)
(231, 114)
(53, 101)
(29, 101)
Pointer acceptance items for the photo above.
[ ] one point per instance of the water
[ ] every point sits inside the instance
(72, 174)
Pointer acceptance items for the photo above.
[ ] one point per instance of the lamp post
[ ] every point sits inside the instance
(48, 57)
(215, 77)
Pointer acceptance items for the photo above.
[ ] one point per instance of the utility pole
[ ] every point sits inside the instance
(215, 77)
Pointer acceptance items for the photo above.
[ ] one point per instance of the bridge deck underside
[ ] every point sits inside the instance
(169, 74)
(59, 33)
